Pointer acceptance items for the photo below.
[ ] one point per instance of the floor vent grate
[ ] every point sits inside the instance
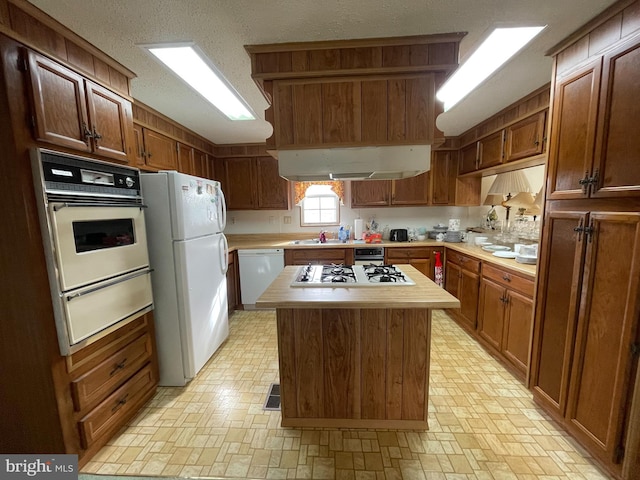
(273, 398)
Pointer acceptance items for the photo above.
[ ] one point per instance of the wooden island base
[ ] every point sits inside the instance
(354, 367)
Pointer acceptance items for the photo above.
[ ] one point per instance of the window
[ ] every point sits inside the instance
(320, 206)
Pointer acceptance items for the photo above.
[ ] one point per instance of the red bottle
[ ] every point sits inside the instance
(438, 270)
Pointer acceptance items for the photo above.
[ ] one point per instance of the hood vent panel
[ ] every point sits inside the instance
(357, 163)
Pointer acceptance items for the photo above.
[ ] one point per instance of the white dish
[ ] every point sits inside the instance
(485, 244)
(503, 254)
(495, 248)
(527, 259)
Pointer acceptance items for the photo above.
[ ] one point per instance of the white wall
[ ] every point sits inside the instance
(273, 221)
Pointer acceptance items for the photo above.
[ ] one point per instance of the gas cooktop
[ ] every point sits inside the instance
(351, 276)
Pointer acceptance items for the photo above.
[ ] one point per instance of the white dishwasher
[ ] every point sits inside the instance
(258, 268)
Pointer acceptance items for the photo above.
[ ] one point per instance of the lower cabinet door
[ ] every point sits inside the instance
(491, 322)
(469, 288)
(517, 329)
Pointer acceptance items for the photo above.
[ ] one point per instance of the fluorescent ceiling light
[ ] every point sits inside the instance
(190, 64)
(501, 45)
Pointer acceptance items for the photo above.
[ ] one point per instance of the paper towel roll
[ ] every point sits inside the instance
(357, 229)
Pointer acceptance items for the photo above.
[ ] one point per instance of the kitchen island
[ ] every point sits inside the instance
(354, 356)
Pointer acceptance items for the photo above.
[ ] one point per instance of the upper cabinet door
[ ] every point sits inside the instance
(239, 183)
(617, 158)
(160, 151)
(469, 158)
(111, 121)
(370, 193)
(411, 191)
(59, 103)
(525, 138)
(491, 150)
(273, 190)
(575, 111)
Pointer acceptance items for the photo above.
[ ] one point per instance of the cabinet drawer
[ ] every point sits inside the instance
(109, 413)
(509, 280)
(100, 381)
(408, 253)
(315, 256)
(468, 263)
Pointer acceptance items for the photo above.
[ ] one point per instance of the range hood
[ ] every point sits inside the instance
(357, 163)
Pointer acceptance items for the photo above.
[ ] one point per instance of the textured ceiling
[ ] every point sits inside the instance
(222, 28)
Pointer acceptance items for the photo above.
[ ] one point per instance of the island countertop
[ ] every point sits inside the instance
(424, 294)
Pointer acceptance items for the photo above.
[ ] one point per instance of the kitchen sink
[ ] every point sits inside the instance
(313, 241)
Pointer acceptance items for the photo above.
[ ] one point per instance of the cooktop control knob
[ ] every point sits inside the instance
(129, 182)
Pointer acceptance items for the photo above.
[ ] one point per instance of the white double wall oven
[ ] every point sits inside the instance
(95, 240)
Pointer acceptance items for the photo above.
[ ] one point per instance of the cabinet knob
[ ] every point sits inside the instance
(506, 278)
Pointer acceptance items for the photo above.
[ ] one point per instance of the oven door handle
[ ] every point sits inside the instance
(109, 284)
(57, 207)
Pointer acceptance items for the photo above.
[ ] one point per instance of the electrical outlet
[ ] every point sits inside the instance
(287, 219)
(233, 220)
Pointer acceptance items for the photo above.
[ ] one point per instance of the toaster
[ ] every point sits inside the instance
(399, 235)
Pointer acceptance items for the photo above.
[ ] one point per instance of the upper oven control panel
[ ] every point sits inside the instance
(72, 175)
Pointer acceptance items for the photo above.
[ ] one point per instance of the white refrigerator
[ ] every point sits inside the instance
(188, 253)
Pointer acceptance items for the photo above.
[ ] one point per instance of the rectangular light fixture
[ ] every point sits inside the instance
(499, 46)
(188, 62)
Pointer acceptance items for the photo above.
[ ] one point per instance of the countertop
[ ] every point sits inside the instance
(424, 294)
(239, 242)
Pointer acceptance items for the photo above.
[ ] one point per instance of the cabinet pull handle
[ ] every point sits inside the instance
(593, 181)
(87, 133)
(120, 403)
(536, 142)
(579, 229)
(96, 136)
(506, 278)
(119, 366)
(584, 182)
(589, 231)
(504, 300)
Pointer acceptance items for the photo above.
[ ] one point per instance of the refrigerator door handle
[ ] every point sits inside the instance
(222, 219)
(224, 253)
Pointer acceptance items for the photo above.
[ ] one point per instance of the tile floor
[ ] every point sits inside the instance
(483, 424)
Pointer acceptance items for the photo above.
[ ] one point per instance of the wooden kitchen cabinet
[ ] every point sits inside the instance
(469, 158)
(253, 183)
(491, 150)
(186, 159)
(352, 111)
(421, 258)
(73, 112)
(593, 153)
(525, 138)
(585, 340)
(505, 314)
(154, 151)
(318, 256)
(383, 193)
(462, 280)
(446, 188)
(370, 193)
(111, 379)
(193, 162)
